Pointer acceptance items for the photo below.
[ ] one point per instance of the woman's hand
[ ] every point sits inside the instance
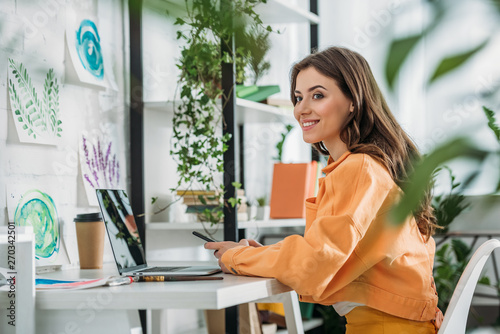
(221, 247)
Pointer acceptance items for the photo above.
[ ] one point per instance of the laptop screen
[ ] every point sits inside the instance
(121, 228)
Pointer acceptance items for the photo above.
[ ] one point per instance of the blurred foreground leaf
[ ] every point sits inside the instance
(419, 180)
(450, 63)
(398, 52)
(492, 122)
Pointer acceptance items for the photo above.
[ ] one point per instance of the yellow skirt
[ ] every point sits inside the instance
(365, 320)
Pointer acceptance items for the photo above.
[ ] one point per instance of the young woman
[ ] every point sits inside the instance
(376, 273)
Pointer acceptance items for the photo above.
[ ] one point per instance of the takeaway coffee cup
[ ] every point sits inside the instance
(90, 237)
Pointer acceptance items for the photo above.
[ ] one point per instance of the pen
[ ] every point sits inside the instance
(162, 278)
(120, 281)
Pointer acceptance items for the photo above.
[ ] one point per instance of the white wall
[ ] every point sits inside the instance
(34, 33)
(431, 114)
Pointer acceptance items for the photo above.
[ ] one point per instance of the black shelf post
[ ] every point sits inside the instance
(136, 113)
(228, 104)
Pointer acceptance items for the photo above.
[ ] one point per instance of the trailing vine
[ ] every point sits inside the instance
(198, 144)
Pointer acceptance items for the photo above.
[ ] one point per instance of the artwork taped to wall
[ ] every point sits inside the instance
(35, 112)
(87, 55)
(33, 207)
(100, 166)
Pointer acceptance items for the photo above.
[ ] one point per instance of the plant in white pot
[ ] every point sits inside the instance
(262, 208)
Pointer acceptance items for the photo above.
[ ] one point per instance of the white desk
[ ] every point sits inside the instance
(90, 307)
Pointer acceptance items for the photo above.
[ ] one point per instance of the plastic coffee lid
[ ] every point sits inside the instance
(88, 217)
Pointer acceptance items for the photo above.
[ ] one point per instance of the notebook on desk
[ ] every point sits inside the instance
(125, 241)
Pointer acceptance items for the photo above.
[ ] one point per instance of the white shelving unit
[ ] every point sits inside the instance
(161, 234)
(246, 111)
(241, 224)
(274, 11)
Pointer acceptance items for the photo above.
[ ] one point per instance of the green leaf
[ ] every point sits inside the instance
(398, 52)
(461, 250)
(233, 201)
(153, 200)
(179, 21)
(484, 280)
(450, 63)
(490, 115)
(202, 199)
(419, 180)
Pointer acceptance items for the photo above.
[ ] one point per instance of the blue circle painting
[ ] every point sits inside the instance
(37, 209)
(89, 48)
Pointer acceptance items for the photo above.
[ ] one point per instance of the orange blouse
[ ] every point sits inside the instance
(350, 251)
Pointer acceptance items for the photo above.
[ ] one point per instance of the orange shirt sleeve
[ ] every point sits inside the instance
(353, 195)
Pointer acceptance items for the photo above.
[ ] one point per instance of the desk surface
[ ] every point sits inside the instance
(230, 291)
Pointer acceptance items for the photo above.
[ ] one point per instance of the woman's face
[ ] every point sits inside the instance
(321, 108)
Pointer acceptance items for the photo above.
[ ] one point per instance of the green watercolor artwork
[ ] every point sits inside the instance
(35, 117)
(37, 209)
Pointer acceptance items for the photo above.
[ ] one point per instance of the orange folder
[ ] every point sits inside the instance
(292, 184)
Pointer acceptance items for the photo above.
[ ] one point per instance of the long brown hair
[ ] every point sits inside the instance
(371, 128)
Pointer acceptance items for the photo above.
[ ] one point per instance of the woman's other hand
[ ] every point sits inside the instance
(221, 247)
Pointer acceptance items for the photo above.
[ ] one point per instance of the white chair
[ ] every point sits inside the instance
(455, 318)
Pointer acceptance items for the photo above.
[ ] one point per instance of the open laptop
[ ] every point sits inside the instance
(125, 242)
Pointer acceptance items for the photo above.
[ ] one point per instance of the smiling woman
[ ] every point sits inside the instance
(377, 274)
(321, 109)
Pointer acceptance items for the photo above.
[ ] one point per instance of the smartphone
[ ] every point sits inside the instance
(204, 237)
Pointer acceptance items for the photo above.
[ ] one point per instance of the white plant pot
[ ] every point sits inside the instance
(263, 212)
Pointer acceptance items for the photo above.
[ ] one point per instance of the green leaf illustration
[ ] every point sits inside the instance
(39, 117)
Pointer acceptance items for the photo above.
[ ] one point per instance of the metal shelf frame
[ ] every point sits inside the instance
(136, 114)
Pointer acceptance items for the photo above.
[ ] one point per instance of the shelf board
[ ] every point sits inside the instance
(255, 112)
(280, 11)
(246, 111)
(308, 325)
(274, 11)
(245, 224)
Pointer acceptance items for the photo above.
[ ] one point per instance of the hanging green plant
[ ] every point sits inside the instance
(279, 145)
(198, 144)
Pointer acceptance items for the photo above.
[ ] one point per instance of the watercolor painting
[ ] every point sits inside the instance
(37, 209)
(100, 166)
(37, 119)
(88, 47)
(90, 65)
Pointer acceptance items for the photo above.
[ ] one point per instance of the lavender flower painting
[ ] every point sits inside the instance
(100, 166)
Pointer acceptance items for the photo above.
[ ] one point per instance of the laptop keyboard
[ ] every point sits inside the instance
(161, 269)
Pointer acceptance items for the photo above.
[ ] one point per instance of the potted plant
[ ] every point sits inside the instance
(262, 209)
(257, 43)
(197, 144)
